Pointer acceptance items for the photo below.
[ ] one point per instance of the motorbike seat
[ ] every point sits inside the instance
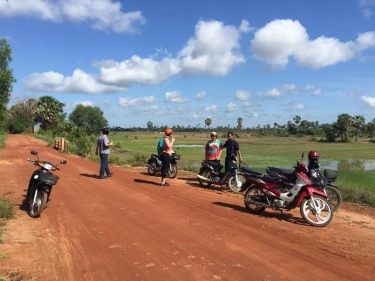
(268, 178)
(213, 164)
(285, 172)
(247, 170)
(155, 155)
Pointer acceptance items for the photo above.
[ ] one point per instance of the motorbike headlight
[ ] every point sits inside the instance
(36, 176)
(47, 166)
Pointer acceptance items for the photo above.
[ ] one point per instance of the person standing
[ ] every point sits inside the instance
(166, 155)
(232, 147)
(103, 149)
(213, 148)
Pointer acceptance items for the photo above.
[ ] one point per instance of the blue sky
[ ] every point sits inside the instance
(177, 62)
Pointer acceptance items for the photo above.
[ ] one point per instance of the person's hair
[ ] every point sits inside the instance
(105, 131)
(230, 133)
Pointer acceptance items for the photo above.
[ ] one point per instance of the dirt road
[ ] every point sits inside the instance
(130, 228)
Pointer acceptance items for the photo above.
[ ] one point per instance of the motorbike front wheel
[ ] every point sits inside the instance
(240, 186)
(173, 171)
(254, 194)
(35, 209)
(206, 174)
(335, 197)
(319, 216)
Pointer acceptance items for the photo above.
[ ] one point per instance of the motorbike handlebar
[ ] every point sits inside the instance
(41, 164)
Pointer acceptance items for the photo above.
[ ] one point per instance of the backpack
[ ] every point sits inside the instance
(160, 146)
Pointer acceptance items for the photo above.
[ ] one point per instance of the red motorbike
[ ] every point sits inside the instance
(273, 192)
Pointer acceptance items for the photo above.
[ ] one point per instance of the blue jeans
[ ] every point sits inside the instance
(104, 165)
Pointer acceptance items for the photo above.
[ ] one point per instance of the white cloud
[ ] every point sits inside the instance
(214, 49)
(245, 27)
(309, 87)
(175, 96)
(370, 101)
(201, 95)
(243, 95)
(271, 93)
(137, 70)
(299, 107)
(129, 102)
(72, 106)
(232, 107)
(367, 7)
(212, 108)
(100, 14)
(79, 82)
(279, 40)
(317, 92)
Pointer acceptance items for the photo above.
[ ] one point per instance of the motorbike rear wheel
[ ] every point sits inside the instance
(321, 216)
(173, 171)
(335, 197)
(152, 171)
(36, 209)
(205, 174)
(251, 194)
(237, 188)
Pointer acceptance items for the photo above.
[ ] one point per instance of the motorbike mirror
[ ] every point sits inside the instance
(63, 162)
(303, 154)
(34, 152)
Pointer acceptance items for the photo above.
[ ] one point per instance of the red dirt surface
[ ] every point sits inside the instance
(129, 227)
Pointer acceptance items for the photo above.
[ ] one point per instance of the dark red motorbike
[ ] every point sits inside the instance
(273, 192)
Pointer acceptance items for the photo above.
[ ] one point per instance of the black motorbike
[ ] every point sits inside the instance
(40, 185)
(154, 165)
(324, 183)
(210, 173)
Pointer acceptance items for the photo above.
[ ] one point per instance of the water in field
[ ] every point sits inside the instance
(188, 145)
(349, 165)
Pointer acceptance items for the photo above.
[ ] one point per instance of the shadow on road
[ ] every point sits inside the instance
(274, 215)
(89, 175)
(146, 181)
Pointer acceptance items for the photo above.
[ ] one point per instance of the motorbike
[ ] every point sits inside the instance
(324, 183)
(154, 165)
(210, 173)
(266, 191)
(40, 185)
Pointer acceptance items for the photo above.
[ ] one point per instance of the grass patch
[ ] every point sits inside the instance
(6, 208)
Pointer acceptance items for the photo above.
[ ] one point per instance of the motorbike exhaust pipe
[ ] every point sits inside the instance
(256, 203)
(203, 178)
(149, 166)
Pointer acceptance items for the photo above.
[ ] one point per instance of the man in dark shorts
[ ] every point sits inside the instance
(232, 147)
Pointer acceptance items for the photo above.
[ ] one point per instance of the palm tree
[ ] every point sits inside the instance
(358, 122)
(344, 123)
(208, 122)
(297, 119)
(239, 123)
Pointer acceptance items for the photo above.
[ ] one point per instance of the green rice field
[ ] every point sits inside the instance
(355, 161)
